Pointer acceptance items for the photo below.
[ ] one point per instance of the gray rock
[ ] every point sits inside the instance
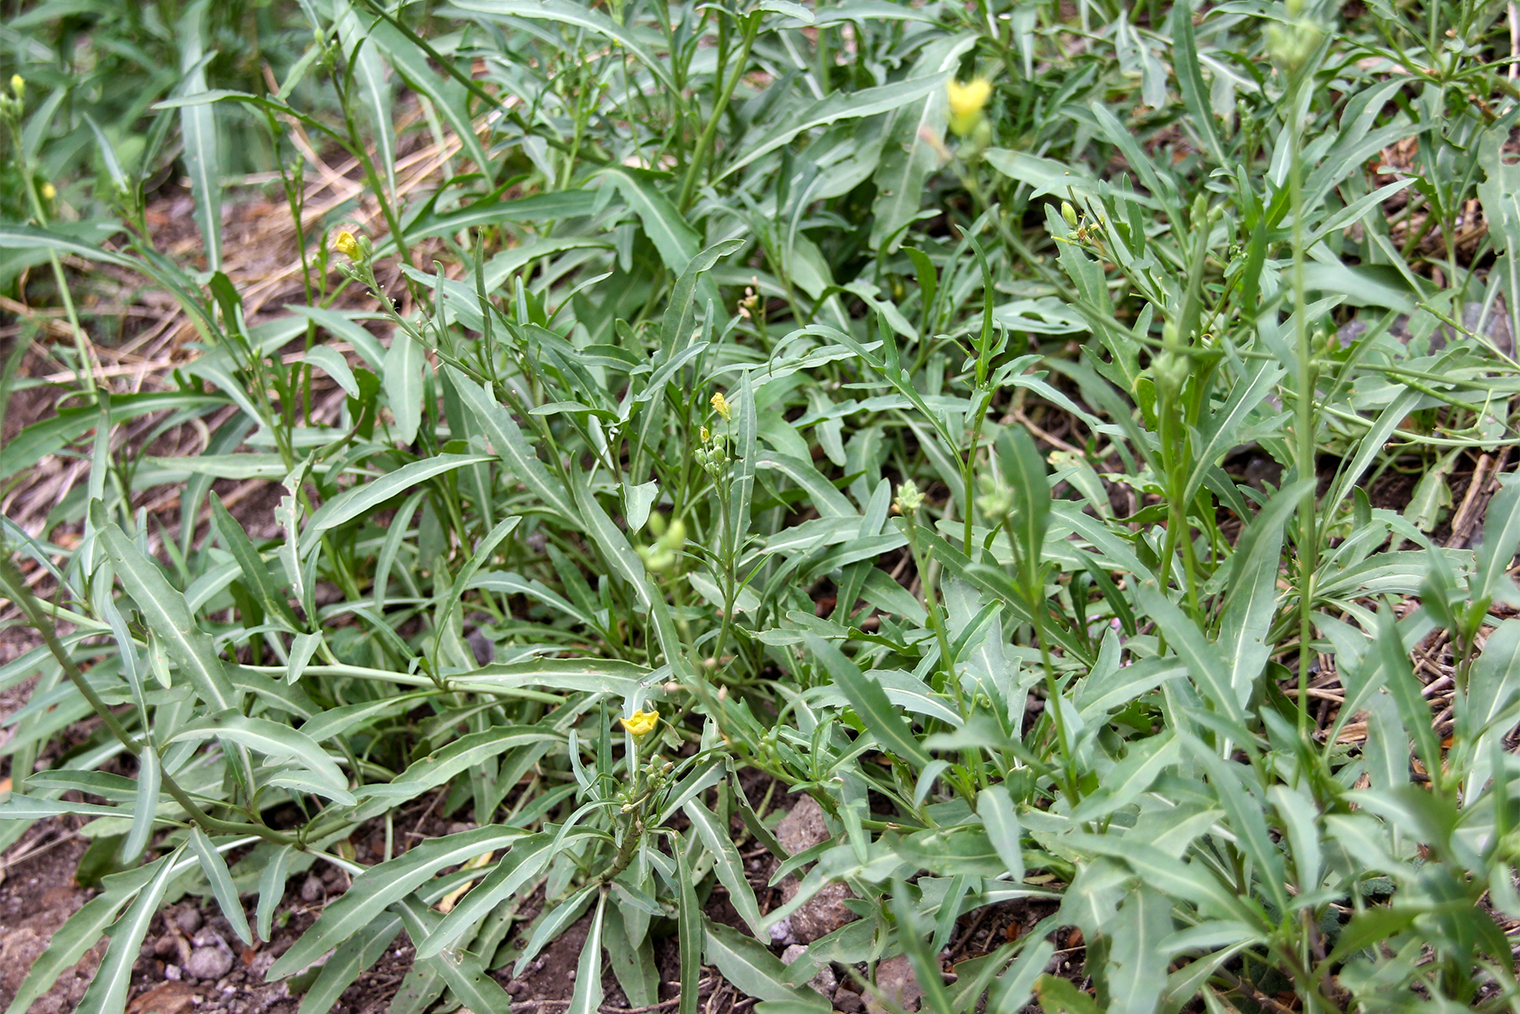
(208, 963)
(824, 982)
(825, 912)
(895, 985)
(188, 919)
(311, 889)
(804, 827)
(1495, 327)
(820, 915)
(846, 1002)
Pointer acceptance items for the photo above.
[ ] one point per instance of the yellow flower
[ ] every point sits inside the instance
(48, 191)
(641, 723)
(18, 85)
(346, 245)
(720, 405)
(966, 104)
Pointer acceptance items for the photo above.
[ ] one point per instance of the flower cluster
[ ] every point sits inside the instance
(670, 540)
(12, 104)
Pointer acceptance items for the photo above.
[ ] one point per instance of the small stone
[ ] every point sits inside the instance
(803, 828)
(172, 973)
(820, 915)
(824, 981)
(311, 889)
(848, 1003)
(896, 987)
(209, 963)
(826, 911)
(188, 920)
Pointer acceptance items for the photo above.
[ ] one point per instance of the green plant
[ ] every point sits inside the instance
(712, 376)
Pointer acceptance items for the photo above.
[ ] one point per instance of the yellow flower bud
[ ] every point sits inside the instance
(720, 405)
(966, 104)
(48, 191)
(347, 245)
(18, 85)
(640, 723)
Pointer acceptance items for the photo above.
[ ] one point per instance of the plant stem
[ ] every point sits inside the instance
(705, 142)
(1303, 422)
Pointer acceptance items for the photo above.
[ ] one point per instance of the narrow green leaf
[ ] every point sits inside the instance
(448, 96)
(365, 498)
(753, 969)
(870, 702)
(1501, 536)
(108, 156)
(587, 997)
(108, 990)
(198, 127)
(663, 223)
(145, 807)
(348, 962)
(689, 928)
(403, 381)
(1135, 976)
(78, 934)
(369, 71)
(633, 965)
(577, 16)
(277, 742)
(1404, 686)
(464, 753)
(215, 869)
(610, 541)
(166, 613)
(553, 923)
(726, 864)
(382, 885)
(335, 366)
(910, 156)
(1195, 92)
(1024, 471)
(831, 109)
(251, 563)
(467, 978)
(1202, 657)
(1251, 599)
(681, 312)
(513, 872)
(272, 890)
(511, 446)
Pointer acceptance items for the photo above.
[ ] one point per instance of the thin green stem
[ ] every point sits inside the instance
(700, 154)
(1304, 422)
